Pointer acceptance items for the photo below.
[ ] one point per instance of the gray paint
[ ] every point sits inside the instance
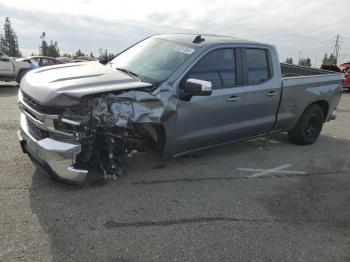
(202, 121)
(10, 68)
(64, 85)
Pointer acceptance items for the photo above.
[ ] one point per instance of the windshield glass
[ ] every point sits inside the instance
(153, 59)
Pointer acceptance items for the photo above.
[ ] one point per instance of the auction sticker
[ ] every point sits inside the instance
(183, 49)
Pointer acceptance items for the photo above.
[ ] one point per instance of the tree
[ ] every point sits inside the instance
(66, 55)
(111, 55)
(3, 44)
(289, 60)
(43, 46)
(9, 41)
(48, 49)
(79, 53)
(329, 60)
(53, 49)
(305, 62)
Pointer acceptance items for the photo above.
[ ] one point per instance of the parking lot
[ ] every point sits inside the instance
(262, 200)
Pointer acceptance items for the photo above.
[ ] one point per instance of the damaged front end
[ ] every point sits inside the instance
(102, 129)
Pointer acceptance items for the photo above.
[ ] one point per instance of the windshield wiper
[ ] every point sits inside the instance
(134, 75)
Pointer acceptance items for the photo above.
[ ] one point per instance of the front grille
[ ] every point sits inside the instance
(37, 132)
(40, 108)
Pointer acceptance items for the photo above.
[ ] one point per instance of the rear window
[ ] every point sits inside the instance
(257, 65)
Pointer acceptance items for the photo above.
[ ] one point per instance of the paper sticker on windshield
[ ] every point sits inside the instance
(183, 49)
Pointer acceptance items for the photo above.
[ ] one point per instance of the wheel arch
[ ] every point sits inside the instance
(154, 132)
(20, 72)
(323, 104)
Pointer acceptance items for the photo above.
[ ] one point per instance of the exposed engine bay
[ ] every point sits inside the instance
(111, 126)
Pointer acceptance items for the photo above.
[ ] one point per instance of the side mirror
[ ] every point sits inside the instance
(196, 87)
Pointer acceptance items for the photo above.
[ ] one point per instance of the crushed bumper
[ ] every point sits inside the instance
(56, 158)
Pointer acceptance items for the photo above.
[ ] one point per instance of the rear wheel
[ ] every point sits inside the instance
(308, 127)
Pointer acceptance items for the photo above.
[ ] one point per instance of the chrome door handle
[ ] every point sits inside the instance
(233, 98)
(271, 93)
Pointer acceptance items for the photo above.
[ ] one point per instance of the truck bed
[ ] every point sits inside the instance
(302, 85)
(289, 70)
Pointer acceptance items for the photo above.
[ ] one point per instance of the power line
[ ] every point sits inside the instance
(337, 47)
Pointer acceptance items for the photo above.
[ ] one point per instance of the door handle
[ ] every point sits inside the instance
(233, 98)
(271, 93)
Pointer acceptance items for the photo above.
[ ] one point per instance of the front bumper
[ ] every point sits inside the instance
(56, 158)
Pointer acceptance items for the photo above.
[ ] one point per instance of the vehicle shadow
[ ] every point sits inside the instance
(74, 217)
(8, 90)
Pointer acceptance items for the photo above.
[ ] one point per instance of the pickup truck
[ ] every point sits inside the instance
(12, 70)
(171, 94)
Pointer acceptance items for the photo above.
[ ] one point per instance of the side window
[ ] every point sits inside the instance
(257, 65)
(46, 61)
(218, 67)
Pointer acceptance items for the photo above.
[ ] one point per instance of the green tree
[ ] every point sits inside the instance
(79, 53)
(289, 60)
(9, 40)
(48, 49)
(3, 44)
(111, 55)
(53, 49)
(305, 62)
(43, 47)
(66, 55)
(329, 60)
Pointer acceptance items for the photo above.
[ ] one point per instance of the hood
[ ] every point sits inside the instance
(64, 85)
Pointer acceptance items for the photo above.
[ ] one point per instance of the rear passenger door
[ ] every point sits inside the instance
(262, 90)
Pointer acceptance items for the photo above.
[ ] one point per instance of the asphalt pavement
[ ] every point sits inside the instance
(261, 200)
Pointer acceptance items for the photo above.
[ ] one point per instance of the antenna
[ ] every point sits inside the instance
(198, 39)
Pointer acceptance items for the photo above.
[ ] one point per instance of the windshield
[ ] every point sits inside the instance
(153, 59)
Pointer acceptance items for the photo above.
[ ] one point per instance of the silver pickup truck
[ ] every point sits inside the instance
(169, 94)
(11, 69)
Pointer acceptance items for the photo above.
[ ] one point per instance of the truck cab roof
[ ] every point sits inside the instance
(207, 39)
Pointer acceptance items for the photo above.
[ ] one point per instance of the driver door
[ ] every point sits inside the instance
(205, 121)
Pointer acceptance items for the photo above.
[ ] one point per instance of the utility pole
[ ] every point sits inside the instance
(336, 47)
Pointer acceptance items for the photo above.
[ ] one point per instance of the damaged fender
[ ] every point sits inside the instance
(122, 123)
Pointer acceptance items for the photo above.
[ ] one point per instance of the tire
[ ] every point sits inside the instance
(21, 75)
(308, 127)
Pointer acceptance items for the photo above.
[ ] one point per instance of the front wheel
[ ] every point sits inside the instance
(21, 75)
(308, 127)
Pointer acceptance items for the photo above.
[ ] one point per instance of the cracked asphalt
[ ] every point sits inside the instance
(203, 207)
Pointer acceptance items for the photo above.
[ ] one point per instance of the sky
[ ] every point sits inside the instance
(296, 27)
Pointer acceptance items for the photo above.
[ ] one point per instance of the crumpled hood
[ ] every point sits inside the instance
(64, 85)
